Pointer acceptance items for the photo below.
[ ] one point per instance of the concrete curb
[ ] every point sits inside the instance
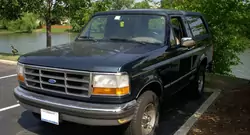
(9, 62)
(195, 117)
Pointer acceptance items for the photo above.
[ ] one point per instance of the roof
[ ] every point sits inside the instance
(149, 11)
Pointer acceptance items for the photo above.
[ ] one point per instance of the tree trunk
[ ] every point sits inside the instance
(48, 33)
(48, 23)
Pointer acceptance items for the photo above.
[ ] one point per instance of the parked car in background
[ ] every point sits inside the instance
(118, 70)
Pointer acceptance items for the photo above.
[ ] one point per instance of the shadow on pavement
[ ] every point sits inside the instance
(174, 114)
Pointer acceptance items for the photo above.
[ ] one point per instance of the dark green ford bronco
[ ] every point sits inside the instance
(118, 70)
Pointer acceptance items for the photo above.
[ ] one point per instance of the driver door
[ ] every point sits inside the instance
(181, 53)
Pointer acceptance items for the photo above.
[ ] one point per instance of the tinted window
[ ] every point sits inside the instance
(141, 28)
(172, 38)
(197, 26)
(177, 31)
(97, 27)
(156, 23)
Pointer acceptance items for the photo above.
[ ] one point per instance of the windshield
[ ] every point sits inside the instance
(139, 28)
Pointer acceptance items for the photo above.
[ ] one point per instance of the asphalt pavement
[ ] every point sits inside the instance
(14, 120)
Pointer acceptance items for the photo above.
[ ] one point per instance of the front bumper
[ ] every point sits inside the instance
(76, 111)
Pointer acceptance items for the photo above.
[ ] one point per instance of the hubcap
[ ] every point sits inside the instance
(148, 119)
(200, 82)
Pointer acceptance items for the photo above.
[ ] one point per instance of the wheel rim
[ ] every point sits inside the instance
(200, 82)
(148, 119)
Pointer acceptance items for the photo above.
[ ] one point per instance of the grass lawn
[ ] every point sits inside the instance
(55, 30)
(6, 56)
(4, 31)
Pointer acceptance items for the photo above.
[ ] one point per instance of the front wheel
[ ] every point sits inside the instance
(146, 115)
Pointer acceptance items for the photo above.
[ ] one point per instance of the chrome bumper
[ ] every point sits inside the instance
(76, 111)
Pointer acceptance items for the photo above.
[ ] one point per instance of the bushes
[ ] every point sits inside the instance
(229, 21)
(26, 23)
(3, 24)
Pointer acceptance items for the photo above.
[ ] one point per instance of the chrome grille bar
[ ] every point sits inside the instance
(68, 82)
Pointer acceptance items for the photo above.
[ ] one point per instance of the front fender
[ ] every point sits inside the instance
(140, 81)
(203, 57)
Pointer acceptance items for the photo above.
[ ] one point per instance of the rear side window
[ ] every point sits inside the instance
(197, 26)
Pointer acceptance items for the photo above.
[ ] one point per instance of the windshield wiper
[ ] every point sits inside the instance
(126, 40)
(87, 38)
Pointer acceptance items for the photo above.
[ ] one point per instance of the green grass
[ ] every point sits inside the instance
(56, 30)
(6, 56)
(53, 30)
(4, 31)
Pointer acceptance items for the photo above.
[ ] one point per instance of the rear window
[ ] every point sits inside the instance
(197, 26)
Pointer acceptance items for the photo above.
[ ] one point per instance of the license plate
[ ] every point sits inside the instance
(50, 116)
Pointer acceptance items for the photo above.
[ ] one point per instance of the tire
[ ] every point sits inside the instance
(197, 85)
(147, 100)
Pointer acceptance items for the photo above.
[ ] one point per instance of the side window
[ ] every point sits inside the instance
(177, 31)
(172, 38)
(197, 26)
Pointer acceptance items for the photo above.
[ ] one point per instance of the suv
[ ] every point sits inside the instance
(118, 70)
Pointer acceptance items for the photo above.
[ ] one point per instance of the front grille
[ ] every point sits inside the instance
(68, 82)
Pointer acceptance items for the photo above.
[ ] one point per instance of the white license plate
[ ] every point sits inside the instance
(50, 116)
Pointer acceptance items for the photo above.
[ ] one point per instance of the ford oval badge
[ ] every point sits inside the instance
(52, 81)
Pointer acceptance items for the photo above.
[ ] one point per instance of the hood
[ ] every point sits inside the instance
(88, 55)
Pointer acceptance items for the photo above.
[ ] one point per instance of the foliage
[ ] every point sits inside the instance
(2, 24)
(229, 21)
(143, 4)
(81, 16)
(118, 4)
(26, 23)
(10, 9)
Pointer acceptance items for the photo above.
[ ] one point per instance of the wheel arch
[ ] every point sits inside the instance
(154, 85)
(203, 60)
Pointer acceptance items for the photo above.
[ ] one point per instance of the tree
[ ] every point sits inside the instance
(47, 9)
(10, 9)
(143, 4)
(120, 4)
(81, 15)
(229, 22)
(83, 10)
(79, 12)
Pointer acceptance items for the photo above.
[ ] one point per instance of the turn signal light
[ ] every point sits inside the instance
(20, 77)
(111, 91)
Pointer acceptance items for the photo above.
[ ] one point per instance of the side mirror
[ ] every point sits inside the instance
(187, 42)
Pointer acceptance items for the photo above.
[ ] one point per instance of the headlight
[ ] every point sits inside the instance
(20, 72)
(110, 84)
